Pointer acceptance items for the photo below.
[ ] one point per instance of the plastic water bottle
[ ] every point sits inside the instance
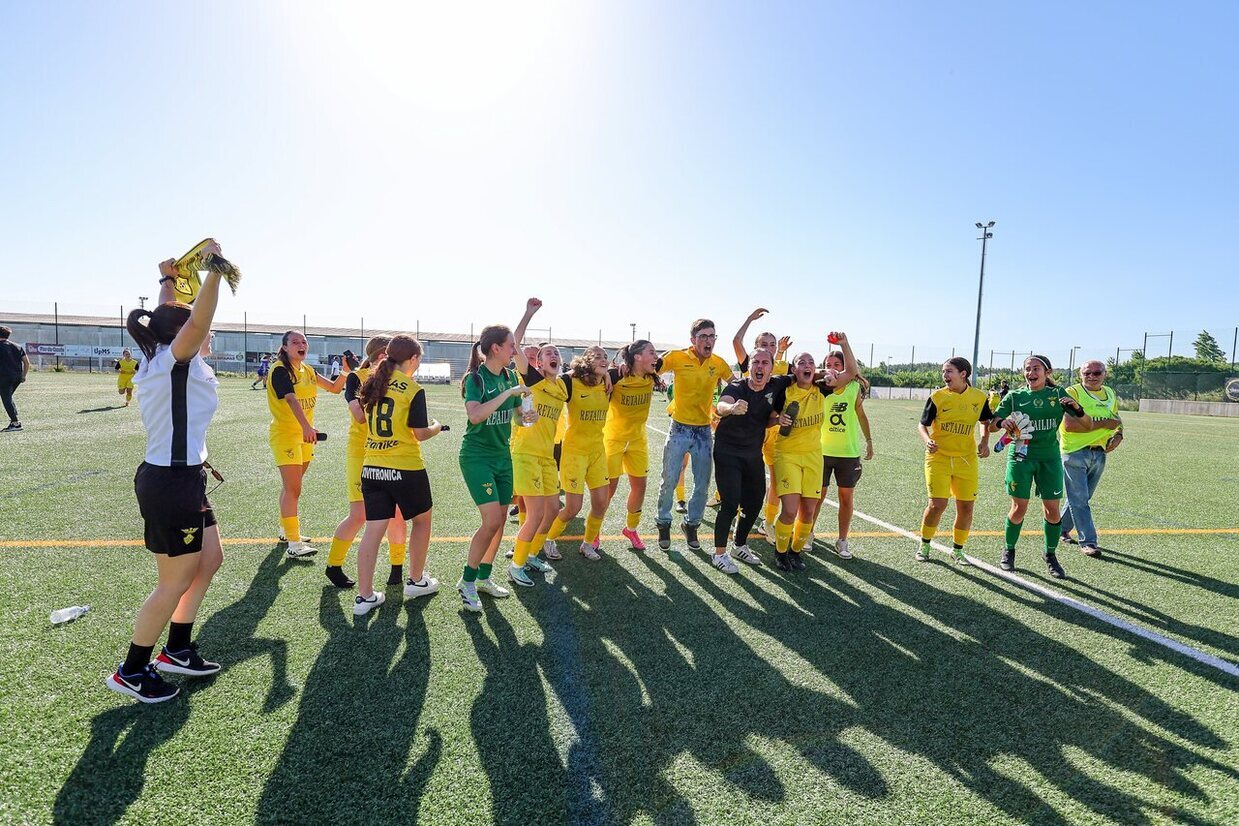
(68, 614)
(791, 411)
(526, 408)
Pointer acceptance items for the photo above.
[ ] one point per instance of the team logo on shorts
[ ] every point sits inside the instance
(289, 453)
(188, 538)
(489, 488)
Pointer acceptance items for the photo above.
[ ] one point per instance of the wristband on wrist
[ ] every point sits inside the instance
(166, 278)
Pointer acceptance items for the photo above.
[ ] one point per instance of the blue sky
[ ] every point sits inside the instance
(638, 162)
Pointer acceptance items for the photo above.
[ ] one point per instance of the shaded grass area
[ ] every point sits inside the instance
(647, 689)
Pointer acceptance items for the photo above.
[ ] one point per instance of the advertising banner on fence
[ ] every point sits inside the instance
(34, 348)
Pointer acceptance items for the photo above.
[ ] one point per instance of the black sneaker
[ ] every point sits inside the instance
(664, 537)
(796, 562)
(781, 560)
(12, 427)
(338, 578)
(1008, 560)
(513, 511)
(188, 662)
(1055, 569)
(145, 687)
(1068, 538)
(396, 577)
(680, 507)
(690, 534)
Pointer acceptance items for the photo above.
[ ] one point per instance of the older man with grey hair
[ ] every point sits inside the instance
(1086, 441)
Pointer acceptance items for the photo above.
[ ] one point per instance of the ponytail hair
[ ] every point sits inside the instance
(962, 365)
(628, 355)
(149, 329)
(374, 346)
(492, 335)
(282, 355)
(400, 349)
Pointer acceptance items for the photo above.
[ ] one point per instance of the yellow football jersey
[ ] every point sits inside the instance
(549, 398)
(127, 367)
(305, 387)
(952, 419)
(356, 429)
(390, 441)
(695, 383)
(806, 432)
(629, 407)
(587, 415)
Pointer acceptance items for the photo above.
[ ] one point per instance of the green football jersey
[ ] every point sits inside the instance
(489, 438)
(1046, 413)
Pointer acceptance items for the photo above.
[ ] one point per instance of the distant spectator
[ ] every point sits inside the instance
(335, 369)
(1003, 390)
(264, 367)
(14, 365)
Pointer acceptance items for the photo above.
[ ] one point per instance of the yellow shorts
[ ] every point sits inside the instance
(800, 474)
(124, 381)
(289, 449)
(631, 457)
(948, 477)
(534, 475)
(767, 446)
(352, 471)
(578, 471)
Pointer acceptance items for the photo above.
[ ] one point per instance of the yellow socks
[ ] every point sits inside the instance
(800, 532)
(521, 555)
(772, 512)
(535, 544)
(960, 537)
(593, 527)
(633, 520)
(928, 532)
(679, 493)
(339, 550)
(396, 553)
(291, 526)
(558, 526)
(782, 536)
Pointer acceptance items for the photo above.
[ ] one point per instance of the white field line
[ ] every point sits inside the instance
(1071, 602)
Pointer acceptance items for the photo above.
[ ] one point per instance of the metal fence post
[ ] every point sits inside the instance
(56, 325)
(245, 344)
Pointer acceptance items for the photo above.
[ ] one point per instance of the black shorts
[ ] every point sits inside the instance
(174, 506)
(847, 471)
(385, 489)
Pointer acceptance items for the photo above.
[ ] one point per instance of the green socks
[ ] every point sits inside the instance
(471, 574)
(484, 570)
(1012, 533)
(1053, 530)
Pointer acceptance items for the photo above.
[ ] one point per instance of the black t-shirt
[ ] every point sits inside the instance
(744, 434)
(10, 361)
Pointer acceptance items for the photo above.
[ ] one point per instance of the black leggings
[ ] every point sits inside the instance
(6, 396)
(741, 484)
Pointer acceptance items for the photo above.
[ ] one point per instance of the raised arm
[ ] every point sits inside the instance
(850, 368)
(191, 336)
(531, 307)
(737, 341)
(333, 386)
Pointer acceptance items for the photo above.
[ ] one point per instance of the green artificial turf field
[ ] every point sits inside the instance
(645, 688)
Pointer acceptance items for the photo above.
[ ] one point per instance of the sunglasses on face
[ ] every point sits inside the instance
(1094, 372)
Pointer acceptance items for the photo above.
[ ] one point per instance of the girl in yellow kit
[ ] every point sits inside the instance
(347, 530)
(393, 476)
(126, 366)
(292, 392)
(583, 463)
(623, 436)
(534, 476)
(797, 456)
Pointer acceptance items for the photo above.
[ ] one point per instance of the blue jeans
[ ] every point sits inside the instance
(696, 441)
(1082, 471)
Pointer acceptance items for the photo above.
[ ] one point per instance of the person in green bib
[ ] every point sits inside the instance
(1085, 442)
(1044, 404)
(492, 397)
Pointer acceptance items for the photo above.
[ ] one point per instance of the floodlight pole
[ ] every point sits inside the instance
(984, 239)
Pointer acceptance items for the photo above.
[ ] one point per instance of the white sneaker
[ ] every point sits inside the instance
(363, 606)
(551, 550)
(284, 538)
(590, 552)
(538, 564)
(742, 553)
(517, 574)
(723, 563)
(509, 553)
(469, 596)
(427, 586)
(767, 530)
(296, 550)
(490, 587)
(808, 543)
(841, 547)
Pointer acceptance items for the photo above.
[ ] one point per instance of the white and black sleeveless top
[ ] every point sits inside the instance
(177, 402)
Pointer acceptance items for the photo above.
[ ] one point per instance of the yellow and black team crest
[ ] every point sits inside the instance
(189, 534)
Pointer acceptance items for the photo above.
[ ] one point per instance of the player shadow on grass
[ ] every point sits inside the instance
(111, 772)
(982, 691)
(650, 680)
(347, 755)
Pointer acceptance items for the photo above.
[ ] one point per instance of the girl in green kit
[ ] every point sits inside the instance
(1045, 405)
(491, 393)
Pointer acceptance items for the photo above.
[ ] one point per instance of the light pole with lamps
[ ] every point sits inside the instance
(976, 339)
